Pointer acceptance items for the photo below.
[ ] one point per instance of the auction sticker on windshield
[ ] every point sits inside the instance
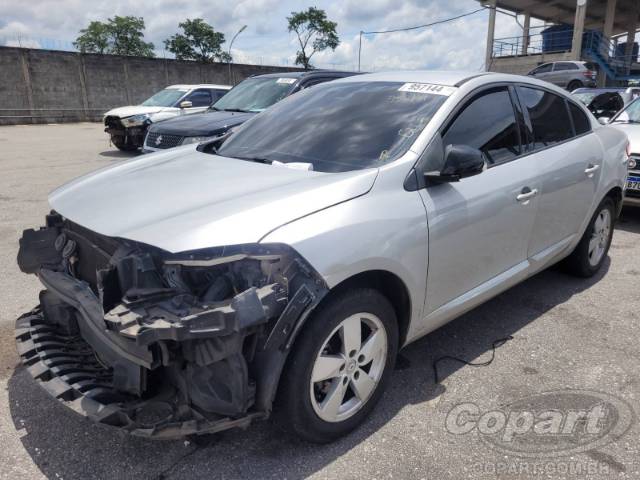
(286, 80)
(427, 88)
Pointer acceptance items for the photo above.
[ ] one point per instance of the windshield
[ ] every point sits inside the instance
(164, 98)
(338, 126)
(631, 114)
(586, 97)
(255, 94)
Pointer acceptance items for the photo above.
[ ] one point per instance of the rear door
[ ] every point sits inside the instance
(568, 157)
(543, 72)
(563, 73)
(479, 227)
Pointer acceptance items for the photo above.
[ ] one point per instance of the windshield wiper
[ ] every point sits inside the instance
(239, 110)
(256, 159)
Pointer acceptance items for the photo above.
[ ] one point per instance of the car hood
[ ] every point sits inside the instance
(633, 133)
(201, 124)
(185, 200)
(124, 112)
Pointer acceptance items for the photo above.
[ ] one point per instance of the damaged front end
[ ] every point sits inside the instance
(162, 345)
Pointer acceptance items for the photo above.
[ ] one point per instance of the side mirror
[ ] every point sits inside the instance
(460, 161)
(604, 120)
(186, 104)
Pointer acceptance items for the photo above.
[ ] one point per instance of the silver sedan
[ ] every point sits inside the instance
(282, 266)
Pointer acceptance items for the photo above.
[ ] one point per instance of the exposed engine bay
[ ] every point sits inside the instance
(161, 344)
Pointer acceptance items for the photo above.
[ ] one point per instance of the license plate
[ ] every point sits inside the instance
(633, 183)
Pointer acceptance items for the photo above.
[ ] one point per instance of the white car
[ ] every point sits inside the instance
(628, 121)
(127, 126)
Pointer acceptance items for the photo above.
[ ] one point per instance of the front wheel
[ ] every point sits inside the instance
(121, 144)
(589, 255)
(339, 366)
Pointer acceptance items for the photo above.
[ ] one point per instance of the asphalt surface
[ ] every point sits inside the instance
(568, 334)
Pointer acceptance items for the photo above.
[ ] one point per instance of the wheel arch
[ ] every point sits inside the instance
(388, 284)
(615, 194)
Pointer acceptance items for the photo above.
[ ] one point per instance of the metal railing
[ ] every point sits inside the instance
(610, 55)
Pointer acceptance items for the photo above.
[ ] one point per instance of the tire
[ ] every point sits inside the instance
(573, 84)
(588, 257)
(120, 143)
(303, 407)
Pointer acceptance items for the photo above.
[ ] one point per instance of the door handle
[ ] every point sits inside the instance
(591, 169)
(526, 194)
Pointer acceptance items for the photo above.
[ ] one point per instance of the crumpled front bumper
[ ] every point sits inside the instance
(67, 368)
(161, 345)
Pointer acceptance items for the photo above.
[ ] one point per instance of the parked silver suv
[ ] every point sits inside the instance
(569, 75)
(284, 265)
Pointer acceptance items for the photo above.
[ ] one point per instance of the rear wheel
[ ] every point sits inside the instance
(339, 367)
(589, 255)
(574, 84)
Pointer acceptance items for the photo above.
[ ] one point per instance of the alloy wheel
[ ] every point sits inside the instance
(349, 367)
(599, 237)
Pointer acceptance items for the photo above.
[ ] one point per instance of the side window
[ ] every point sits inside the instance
(199, 98)
(549, 116)
(580, 121)
(565, 66)
(217, 95)
(542, 69)
(487, 123)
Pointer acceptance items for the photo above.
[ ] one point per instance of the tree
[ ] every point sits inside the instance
(128, 37)
(118, 36)
(199, 42)
(314, 31)
(93, 39)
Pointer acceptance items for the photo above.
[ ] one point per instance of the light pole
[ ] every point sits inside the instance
(230, 45)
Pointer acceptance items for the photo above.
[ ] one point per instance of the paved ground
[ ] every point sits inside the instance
(567, 334)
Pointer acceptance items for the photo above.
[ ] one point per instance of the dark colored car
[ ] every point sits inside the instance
(246, 99)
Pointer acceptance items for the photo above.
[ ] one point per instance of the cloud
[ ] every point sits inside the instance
(455, 45)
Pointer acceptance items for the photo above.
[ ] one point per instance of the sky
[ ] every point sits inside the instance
(458, 45)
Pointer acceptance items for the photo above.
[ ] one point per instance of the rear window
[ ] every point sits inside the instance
(549, 116)
(581, 122)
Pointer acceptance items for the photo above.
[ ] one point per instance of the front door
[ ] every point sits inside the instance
(480, 226)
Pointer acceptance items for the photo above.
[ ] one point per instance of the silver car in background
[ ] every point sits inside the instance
(282, 266)
(568, 75)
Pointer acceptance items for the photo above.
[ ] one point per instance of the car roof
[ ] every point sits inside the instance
(449, 78)
(199, 85)
(603, 90)
(307, 74)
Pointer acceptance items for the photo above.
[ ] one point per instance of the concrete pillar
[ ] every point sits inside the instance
(490, 34)
(608, 48)
(632, 25)
(525, 33)
(609, 18)
(578, 29)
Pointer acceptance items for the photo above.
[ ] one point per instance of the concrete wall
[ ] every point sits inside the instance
(38, 86)
(522, 65)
